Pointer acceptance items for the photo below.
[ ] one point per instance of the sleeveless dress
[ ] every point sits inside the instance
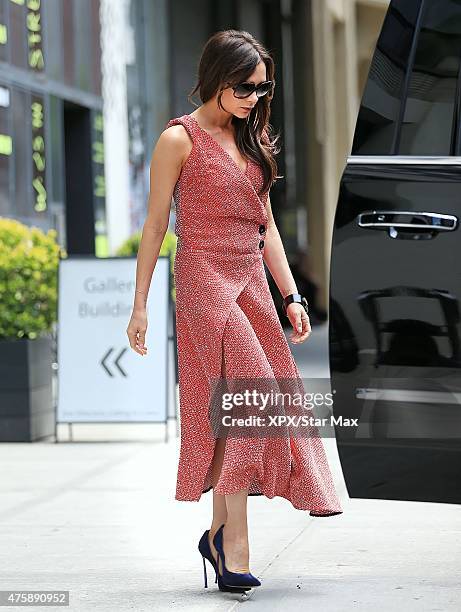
(226, 323)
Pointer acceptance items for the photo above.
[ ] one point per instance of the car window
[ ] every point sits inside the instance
(410, 102)
(429, 121)
(376, 128)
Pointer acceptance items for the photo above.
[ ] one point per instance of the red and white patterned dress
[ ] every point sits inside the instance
(226, 322)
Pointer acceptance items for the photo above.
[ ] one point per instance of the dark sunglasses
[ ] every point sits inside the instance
(243, 90)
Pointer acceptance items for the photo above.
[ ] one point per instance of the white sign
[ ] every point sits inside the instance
(100, 377)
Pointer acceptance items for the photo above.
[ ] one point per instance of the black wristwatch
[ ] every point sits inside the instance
(294, 297)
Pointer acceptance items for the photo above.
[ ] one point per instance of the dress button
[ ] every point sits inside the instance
(261, 244)
(262, 229)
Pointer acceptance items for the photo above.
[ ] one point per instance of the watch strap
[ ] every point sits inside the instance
(294, 297)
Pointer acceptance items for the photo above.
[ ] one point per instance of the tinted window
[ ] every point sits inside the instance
(379, 112)
(411, 99)
(429, 119)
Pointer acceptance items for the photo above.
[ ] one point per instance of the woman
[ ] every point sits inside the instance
(218, 164)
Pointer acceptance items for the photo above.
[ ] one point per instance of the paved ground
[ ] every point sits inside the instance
(98, 518)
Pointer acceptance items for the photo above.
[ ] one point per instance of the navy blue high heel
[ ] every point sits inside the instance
(205, 551)
(234, 579)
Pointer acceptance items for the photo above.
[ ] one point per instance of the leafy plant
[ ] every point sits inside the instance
(168, 247)
(29, 260)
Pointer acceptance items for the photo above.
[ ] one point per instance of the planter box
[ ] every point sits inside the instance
(26, 403)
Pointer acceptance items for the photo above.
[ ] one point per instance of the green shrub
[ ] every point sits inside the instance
(131, 245)
(29, 261)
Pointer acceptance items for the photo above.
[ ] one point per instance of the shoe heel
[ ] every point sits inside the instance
(204, 573)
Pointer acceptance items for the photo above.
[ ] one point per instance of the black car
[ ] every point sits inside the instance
(395, 275)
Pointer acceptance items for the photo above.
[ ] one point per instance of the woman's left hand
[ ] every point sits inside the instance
(299, 320)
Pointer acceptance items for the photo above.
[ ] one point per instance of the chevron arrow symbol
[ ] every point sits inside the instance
(116, 361)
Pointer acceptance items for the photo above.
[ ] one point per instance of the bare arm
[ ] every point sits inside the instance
(276, 260)
(275, 257)
(170, 152)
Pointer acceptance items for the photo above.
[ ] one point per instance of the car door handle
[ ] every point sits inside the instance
(410, 220)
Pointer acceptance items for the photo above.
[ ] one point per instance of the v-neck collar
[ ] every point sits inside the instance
(244, 172)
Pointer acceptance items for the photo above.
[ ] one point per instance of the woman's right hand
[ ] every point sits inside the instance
(136, 330)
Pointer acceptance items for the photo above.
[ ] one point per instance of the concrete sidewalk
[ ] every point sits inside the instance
(99, 519)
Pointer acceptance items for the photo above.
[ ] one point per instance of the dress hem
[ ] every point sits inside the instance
(297, 507)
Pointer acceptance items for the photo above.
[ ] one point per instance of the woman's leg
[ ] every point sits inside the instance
(219, 501)
(231, 510)
(235, 533)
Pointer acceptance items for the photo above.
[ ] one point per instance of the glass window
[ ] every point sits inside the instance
(6, 150)
(95, 48)
(379, 111)
(52, 11)
(68, 48)
(83, 52)
(21, 144)
(17, 34)
(3, 32)
(429, 119)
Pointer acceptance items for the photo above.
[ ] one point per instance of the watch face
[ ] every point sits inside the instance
(296, 298)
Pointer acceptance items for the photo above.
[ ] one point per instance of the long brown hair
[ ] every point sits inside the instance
(230, 57)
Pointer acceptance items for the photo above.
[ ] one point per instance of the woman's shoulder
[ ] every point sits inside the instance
(181, 127)
(176, 120)
(184, 120)
(176, 139)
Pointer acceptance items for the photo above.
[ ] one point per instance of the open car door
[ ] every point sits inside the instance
(395, 275)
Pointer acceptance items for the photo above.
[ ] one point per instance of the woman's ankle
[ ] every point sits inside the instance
(236, 532)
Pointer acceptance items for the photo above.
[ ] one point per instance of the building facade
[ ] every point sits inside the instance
(51, 123)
